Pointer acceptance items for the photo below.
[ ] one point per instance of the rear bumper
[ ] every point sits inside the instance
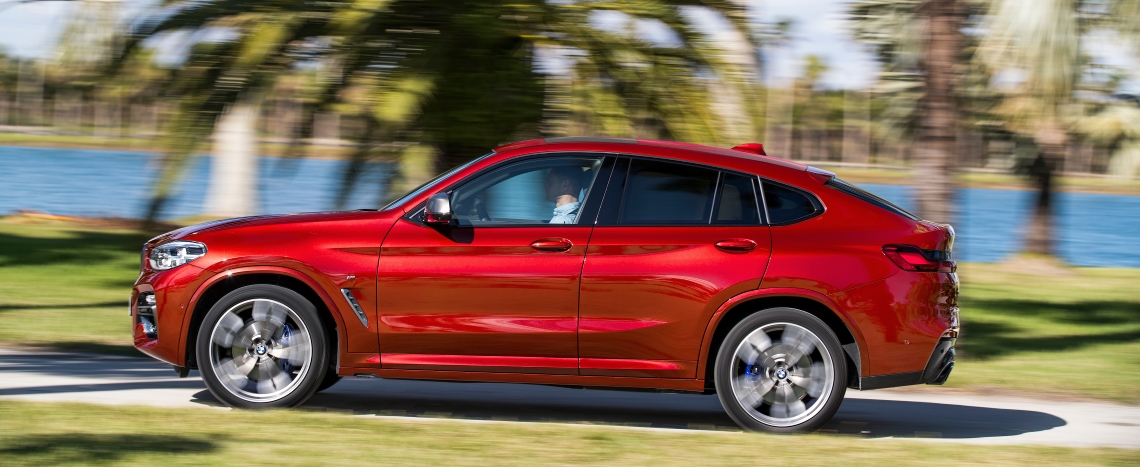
(941, 362)
(937, 370)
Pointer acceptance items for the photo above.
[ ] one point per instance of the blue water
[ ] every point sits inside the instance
(1092, 229)
(117, 183)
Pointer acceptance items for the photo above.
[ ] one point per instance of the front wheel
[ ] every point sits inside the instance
(781, 370)
(262, 346)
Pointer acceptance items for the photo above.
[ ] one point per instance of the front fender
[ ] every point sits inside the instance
(276, 270)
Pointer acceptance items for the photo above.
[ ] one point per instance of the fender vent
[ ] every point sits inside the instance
(355, 306)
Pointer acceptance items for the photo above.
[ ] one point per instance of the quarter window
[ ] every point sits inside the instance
(786, 205)
(660, 193)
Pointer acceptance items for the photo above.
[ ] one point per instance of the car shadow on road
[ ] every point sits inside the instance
(529, 403)
(902, 419)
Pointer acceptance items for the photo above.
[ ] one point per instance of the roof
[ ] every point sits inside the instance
(663, 144)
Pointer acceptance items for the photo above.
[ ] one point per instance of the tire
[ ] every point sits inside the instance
(262, 346)
(331, 378)
(781, 370)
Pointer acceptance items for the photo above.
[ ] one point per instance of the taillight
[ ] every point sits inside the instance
(912, 258)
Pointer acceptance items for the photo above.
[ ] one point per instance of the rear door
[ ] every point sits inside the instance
(672, 242)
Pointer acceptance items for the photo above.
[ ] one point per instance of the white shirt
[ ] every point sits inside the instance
(565, 214)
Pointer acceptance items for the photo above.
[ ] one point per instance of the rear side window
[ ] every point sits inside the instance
(671, 194)
(737, 201)
(786, 205)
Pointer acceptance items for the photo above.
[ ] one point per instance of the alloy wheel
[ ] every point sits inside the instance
(260, 350)
(781, 374)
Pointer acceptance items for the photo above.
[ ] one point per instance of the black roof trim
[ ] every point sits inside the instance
(589, 139)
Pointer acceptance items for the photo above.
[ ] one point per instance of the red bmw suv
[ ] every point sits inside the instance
(574, 262)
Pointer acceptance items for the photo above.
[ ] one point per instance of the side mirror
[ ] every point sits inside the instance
(438, 210)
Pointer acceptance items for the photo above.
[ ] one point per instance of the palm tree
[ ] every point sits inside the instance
(921, 46)
(444, 80)
(938, 125)
(1042, 41)
(1117, 126)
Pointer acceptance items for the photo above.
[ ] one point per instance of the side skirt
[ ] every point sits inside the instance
(668, 384)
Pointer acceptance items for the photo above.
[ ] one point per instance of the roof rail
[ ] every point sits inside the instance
(589, 139)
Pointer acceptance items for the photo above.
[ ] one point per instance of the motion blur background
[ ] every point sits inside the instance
(180, 111)
(1018, 121)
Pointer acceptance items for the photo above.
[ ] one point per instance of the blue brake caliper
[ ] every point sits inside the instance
(748, 372)
(286, 335)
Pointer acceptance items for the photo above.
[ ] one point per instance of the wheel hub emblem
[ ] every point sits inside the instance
(260, 349)
(781, 373)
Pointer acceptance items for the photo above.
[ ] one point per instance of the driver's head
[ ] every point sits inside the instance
(562, 181)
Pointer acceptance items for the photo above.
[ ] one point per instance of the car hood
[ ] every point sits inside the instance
(186, 233)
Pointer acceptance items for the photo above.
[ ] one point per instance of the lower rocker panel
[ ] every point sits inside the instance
(669, 384)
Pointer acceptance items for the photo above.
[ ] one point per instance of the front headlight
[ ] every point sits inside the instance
(174, 254)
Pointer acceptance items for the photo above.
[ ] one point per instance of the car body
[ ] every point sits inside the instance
(669, 256)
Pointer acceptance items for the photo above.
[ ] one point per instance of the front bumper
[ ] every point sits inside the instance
(173, 291)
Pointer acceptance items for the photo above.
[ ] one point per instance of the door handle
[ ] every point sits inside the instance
(736, 245)
(551, 244)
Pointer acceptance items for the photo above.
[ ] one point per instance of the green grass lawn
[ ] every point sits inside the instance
(77, 434)
(1075, 335)
(66, 287)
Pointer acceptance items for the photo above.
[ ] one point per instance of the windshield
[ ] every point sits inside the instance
(432, 182)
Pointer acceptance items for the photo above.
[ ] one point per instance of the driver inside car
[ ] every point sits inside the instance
(562, 187)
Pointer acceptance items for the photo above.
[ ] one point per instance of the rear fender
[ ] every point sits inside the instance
(858, 354)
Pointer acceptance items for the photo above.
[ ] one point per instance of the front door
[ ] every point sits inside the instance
(498, 289)
(682, 240)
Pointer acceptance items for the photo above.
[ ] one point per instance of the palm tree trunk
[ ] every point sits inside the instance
(1039, 235)
(934, 157)
(233, 172)
(1051, 141)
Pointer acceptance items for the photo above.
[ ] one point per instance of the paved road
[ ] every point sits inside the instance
(928, 412)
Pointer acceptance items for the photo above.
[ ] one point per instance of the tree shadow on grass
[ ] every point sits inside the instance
(85, 448)
(122, 350)
(1085, 312)
(80, 247)
(982, 340)
(10, 307)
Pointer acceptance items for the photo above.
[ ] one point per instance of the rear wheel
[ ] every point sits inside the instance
(262, 346)
(331, 378)
(781, 370)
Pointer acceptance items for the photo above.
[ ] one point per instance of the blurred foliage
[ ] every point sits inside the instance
(1026, 68)
(896, 33)
(446, 79)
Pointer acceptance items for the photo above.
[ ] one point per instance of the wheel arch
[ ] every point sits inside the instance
(746, 304)
(227, 281)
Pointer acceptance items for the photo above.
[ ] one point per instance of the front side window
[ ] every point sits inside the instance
(661, 193)
(549, 190)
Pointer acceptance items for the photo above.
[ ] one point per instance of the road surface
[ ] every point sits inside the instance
(929, 413)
